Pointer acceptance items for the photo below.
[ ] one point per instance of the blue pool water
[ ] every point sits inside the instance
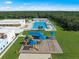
(41, 24)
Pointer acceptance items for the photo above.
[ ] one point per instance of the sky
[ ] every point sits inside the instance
(39, 5)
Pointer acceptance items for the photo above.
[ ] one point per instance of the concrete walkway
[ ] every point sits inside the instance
(35, 56)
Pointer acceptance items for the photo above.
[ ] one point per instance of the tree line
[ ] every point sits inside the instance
(69, 20)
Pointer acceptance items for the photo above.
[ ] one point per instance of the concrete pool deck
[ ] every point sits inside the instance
(46, 47)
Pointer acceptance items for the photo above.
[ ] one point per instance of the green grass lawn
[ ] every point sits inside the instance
(13, 52)
(69, 41)
(45, 33)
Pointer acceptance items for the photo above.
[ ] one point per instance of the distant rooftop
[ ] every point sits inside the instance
(40, 19)
(12, 21)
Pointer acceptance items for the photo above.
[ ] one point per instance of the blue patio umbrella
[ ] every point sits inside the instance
(33, 42)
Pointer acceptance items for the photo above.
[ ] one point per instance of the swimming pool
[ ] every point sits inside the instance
(39, 25)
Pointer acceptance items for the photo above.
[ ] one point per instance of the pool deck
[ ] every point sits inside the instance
(46, 47)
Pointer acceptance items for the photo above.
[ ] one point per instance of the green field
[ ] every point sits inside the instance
(68, 40)
(46, 33)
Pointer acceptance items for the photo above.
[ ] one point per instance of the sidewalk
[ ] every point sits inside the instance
(35, 56)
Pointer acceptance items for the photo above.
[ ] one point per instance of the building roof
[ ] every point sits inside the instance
(12, 21)
(40, 19)
(9, 29)
(2, 30)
